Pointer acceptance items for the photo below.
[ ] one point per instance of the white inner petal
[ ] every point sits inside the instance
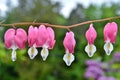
(44, 53)
(13, 56)
(32, 52)
(68, 58)
(14, 46)
(108, 47)
(90, 50)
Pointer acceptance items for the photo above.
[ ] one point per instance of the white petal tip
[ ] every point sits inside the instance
(108, 47)
(32, 52)
(68, 63)
(90, 54)
(31, 56)
(13, 59)
(44, 58)
(68, 58)
(108, 52)
(13, 56)
(44, 53)
(90, 50)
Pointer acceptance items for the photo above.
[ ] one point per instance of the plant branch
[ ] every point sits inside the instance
(56, 26)
(88, 22)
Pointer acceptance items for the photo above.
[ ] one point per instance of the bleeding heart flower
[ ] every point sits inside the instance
(91, 35)
(15, 39)
(110, 33)
(69, 44)
(32, 41)
(45, 40)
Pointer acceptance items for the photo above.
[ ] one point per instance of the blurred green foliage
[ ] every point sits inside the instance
(54, 67)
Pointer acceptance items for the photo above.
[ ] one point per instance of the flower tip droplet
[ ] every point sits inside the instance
(68, 58)
(32, 52)
(13, 57)
(44, 53)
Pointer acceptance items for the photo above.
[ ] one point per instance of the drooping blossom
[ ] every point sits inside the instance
(90, 36)
(106, 78)
(110, 33)
(45, 40)
(15, 39)
(32, 41)
(69, 44)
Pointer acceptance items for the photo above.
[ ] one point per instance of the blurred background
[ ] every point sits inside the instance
(62, 12)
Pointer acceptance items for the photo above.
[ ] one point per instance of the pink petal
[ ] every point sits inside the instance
(46, 37)
(91, 34)
(69, 42)
(50, 40)
(43, 35)
(110, 32)
(51, 33)
(20, 38)
(9, 38)
(32, 36)
(51, 44)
